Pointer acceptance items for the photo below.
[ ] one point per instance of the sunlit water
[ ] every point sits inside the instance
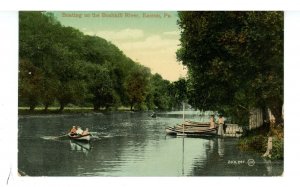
(130, 144)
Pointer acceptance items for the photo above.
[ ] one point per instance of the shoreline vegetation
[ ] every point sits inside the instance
(257, 140)
(68, 110)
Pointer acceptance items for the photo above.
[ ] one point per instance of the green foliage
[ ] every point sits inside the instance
(179, 93)
(235, 59)
(256, 140)
(48, 91)
(277, 149)
(30, 84)
(158, 96)
(258, 143)
(137, 85)
(60, 64)
(254, 143)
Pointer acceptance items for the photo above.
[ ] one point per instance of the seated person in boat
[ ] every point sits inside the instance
(79, 130)
(73, 130)
(85, 132)
(212, 121)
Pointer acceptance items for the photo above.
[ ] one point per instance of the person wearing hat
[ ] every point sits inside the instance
(73, 130)
(221, 125)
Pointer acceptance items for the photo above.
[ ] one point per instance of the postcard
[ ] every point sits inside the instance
(150, 93)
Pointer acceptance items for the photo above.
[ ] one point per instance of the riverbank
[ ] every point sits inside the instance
(256, 140)
(67, 110)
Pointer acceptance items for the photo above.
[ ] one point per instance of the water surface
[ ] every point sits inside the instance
(130, 144)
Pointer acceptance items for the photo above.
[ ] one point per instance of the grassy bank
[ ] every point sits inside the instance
(256, 140)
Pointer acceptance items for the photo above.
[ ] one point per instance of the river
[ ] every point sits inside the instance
(130, 144)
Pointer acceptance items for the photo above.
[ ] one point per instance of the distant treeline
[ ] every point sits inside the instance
(59, 66)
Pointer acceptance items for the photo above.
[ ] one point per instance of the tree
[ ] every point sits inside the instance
(235, 59)
(73, 68)
(48, 91)
(30, 82)
(100, 86)
(158, 95)
(178, 93)
(136, 85)
(71, 86)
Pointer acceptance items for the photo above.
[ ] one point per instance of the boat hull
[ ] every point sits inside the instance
(81, 144)
(196, 131)
(84, 138)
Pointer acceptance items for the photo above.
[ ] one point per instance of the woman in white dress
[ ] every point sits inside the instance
(221, 124)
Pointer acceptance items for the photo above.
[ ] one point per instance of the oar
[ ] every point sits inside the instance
(58, 137)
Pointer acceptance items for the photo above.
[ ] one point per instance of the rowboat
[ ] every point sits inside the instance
(195, 124)
(191, 132)
(189, 128)
(79, 137)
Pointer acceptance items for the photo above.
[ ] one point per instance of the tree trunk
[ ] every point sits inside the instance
(46, 107)
(32, 107)
(277, 112)
(62, 106)
(269, 147)
(131, 106)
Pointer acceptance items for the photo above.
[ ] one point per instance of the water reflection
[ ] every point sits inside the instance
(268, 164)
(80, 146)
(182, 156)
(221, 148)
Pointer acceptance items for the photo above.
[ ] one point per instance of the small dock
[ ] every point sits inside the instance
(233, 130)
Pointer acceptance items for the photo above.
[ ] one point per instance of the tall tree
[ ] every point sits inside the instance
(158, 95)
(136, 85)
(100, 86)
(30, 84)
(235, 59)
(179, 92)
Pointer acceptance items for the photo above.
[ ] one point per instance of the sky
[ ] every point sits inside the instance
(149, 38)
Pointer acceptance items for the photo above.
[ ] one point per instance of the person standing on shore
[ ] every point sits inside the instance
(221, 125)
(212, 121)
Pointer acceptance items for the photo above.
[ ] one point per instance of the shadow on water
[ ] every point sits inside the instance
(129, 144)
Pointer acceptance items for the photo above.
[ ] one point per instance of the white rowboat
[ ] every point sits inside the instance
(79, 137)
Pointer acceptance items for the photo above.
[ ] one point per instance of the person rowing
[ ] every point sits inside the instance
(85, 132)
(79, 131)
(73, 131)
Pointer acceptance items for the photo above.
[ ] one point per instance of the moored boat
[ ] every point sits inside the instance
(189, 128)
(79, 137)
(196, 124)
